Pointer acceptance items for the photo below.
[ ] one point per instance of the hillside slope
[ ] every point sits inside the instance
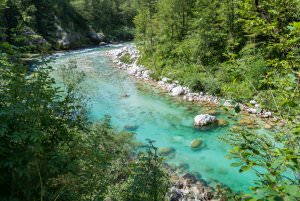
(44, 24)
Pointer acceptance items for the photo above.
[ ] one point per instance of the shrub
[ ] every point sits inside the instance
(126, 58)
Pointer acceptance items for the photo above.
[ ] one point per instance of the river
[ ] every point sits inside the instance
(156, 116)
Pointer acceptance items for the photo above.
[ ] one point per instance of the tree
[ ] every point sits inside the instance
(147, 180)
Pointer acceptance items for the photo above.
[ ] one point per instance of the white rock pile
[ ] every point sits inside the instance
(188, 188)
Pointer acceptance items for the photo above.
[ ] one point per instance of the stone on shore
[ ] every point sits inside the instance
(204, 120)
(228, 103)
(177, 91)
(252, 110)
(165, 79)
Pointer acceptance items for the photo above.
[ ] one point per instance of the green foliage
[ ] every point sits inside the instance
(111, 17)
(49, 150)
(41, 26)
(235, 49)
(274, 158)
(240, 50)
(126, 58)
(147, 180)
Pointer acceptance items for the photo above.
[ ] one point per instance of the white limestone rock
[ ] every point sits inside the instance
(177, 91)
(204, 119)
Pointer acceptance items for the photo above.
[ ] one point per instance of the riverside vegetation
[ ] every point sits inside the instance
(241, 50)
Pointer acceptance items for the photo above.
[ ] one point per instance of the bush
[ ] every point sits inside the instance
(239, 91)
(126, 58)
(195, 84)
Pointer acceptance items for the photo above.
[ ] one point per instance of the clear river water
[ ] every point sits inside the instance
(155, 116)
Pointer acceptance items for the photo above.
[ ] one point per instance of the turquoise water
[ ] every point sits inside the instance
(155, 116)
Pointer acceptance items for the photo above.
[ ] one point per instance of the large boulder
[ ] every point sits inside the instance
(204, 120)
(177, 91)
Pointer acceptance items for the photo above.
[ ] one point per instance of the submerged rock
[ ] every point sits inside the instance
(183, 167)
(131, 127)
(235, 129)
(125, 95)
(268, 126)
(165, 151)
(251, 126)
(222, 122)
(197, 143)
(246, 122)
(204, 119)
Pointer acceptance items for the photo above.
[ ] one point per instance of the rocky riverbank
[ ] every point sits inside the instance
(126, 58)
(187, 187)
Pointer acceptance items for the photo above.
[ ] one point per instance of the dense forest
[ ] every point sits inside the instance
(238, 49)
(47, 25)
(241, 50)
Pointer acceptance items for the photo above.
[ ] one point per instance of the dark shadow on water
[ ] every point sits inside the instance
(131, 128)
(207, 128)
